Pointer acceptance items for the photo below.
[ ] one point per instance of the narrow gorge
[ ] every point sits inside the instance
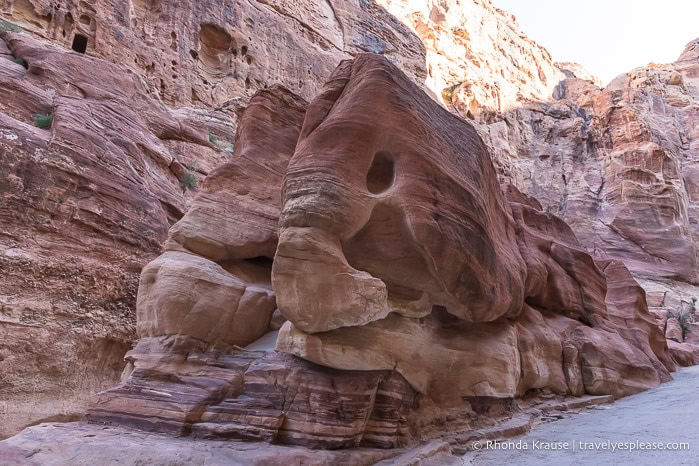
(327, 231)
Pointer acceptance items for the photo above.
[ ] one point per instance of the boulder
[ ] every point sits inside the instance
(391, 211)
(685, 354)
(213, 283)
(673, 330)
(331, 216)
(412, 284)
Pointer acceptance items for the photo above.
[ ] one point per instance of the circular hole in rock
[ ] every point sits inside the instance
(381, 174)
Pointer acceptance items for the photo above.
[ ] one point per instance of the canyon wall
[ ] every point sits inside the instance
(477, 58)
(413, 286)
(619, 165)
(208, 53)
(138, 102)
(91, 178)
(151, 107)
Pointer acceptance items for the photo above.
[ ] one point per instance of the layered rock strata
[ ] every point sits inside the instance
(210, 54)
(612, 153)
(91, 173)
(477, 59)
(196, 54)
(411, 283)
(211, 292)
(619, 165)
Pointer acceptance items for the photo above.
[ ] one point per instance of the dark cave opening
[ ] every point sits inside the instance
(79, 43)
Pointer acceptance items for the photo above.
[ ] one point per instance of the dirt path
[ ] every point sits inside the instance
(667, 415)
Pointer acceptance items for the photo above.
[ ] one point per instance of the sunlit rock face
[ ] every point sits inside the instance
(213, 53)
(478, 61)
(619, 165)
(412, 283)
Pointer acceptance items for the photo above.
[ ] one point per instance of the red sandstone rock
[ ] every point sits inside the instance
(84, 204)
(564, 289)
(562, 282)
(628, 312)
(478, 60)
(388, 221)
(216, 53)
(673, 330)
(213, 283)
(178, 385)
(375, 272)
(685, 354)
(618, 165)
(91, 200)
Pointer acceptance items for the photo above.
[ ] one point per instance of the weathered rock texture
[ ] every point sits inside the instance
(113, 120)
(367, 202)
(620, 166)
(180, 386)
(411, 282)
(207, 53)
(87, 202)
(84, 204)
(214, 280)
(477, 59)
(211, 291)
(616, 164)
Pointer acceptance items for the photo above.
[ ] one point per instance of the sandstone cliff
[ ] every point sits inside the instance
(410, 279)
(87, 200)
(154, 103)
(209, 53)
(478, 60)
(620, 166)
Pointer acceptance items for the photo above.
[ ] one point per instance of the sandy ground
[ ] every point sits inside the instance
(667, 415)
(630, 431)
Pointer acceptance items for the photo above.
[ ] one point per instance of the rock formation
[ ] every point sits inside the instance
(478, 61)
(210, 54)
(211, 291)
(90, 207)
(90, 173)
(599, 158)
(618, 165)
(162, 53)
(411, 282)
(88, 200)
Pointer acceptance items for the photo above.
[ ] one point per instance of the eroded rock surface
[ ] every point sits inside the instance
(413, 284)
(91, 198)
(370, 214)
(214, 281)
(210, 292)
(395, 236)
(86, 200)
(209, 54)
(619, 165)
(478, 61)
